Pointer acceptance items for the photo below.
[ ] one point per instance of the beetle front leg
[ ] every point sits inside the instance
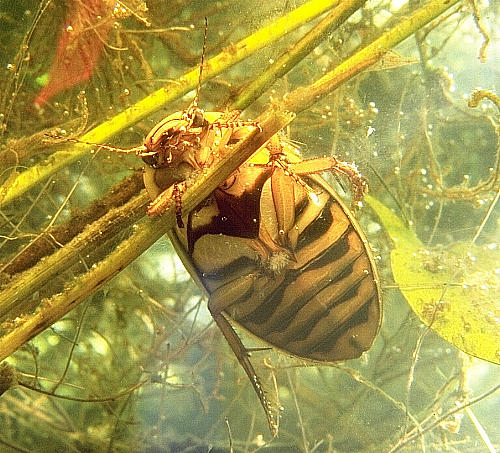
(162, 201)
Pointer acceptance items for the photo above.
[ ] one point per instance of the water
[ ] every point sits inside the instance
(139, 361)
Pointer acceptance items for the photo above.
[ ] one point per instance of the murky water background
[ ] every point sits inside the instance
(138, 365)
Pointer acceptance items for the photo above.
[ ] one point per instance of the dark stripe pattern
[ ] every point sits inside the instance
(321, 302)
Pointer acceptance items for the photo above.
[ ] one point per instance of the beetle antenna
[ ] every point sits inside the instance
(139, 150)
(200, 76)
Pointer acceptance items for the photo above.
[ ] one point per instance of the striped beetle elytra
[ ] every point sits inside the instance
(274, 246)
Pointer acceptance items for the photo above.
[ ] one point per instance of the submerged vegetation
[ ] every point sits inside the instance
(106, 342)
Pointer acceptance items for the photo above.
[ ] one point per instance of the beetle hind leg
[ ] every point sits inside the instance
(316, 165)
(322, 164)
(242, 354)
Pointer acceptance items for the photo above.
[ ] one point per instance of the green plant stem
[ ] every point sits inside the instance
(146, 232)
(32, 280)
(295, 54)
(156, 100)
(302, 99)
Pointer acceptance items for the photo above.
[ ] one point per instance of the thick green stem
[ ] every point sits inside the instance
(156, 100)
(147, 231)
(19, 291)
(302, 99)
(295, 54)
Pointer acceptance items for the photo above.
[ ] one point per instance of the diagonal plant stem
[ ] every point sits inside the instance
(148, 230)
(299, 51)
(303, 98)
(156, 100)
(18, 292)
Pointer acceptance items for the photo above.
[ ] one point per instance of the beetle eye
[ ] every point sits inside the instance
(199, 119)
(151, 160)
(157, 160)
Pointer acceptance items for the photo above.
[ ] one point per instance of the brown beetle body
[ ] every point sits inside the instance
(274, 246)
(310, 290)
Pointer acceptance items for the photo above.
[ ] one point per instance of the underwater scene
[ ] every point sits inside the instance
(241, 226)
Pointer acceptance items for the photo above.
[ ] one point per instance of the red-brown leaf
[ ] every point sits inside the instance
(80, 45)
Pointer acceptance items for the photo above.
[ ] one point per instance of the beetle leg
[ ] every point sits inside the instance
(162, 201)
(213, 143)
(242, 354)
(192, 114)
(283, 192)
(278, 160)
(236, 124)
(226, 119)
(159, 204)
(322, 164)
(357, 179)
(177, 193)
(317, 165)
(231, 120)
(283, 182)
